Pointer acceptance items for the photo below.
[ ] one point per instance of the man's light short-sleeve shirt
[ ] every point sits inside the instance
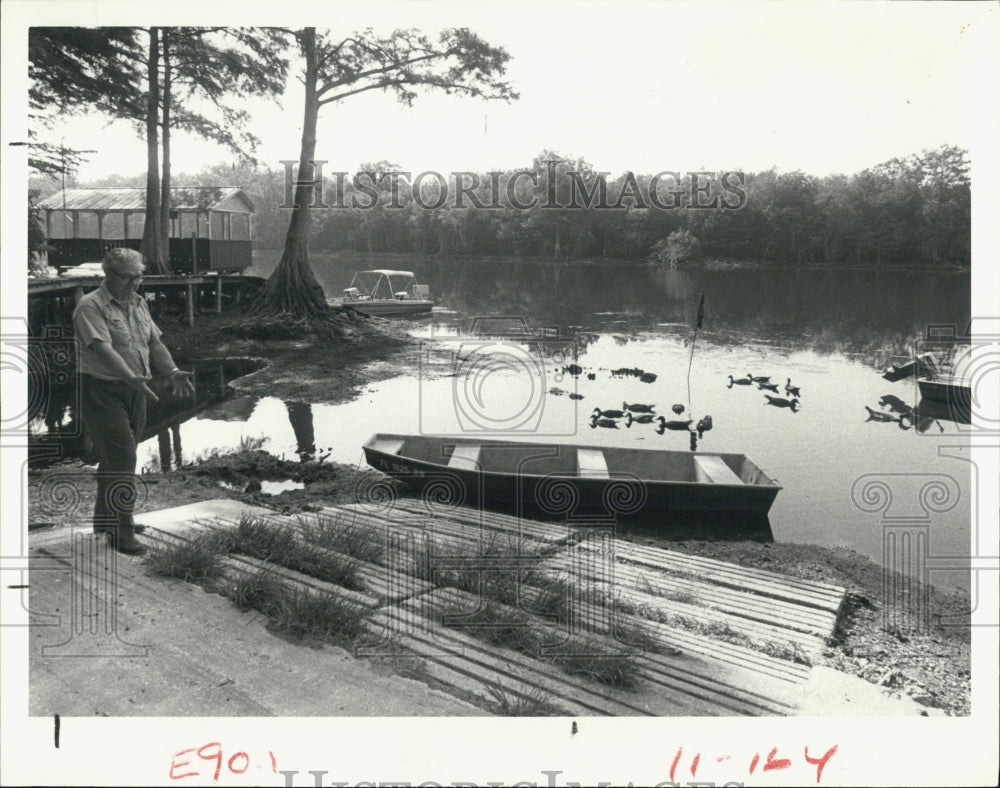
(127, 326)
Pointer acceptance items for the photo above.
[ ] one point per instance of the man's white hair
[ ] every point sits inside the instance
(120, 255)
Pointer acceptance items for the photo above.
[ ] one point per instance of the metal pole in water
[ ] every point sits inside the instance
(694, 338)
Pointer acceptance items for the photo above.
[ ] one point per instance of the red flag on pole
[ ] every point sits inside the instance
(701, 309)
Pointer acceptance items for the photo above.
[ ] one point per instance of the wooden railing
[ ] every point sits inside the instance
(186, 255)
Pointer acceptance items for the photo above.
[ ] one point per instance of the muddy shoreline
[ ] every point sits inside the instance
(930, 664)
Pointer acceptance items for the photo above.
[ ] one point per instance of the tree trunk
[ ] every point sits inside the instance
(152, 247)
(292, 288)
(165, 131)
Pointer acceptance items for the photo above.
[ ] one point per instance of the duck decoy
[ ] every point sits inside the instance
(895, 404)
(703, 425)
(678, 409)
(877, 415)
(769, 386)
(608, 414)
(673, 425)
(740, 381)
(781, 402)
(759, 378)
(642, 418)
(608, 423)
(638, 408)
(790, 389)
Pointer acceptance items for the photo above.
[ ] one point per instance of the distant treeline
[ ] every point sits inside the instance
(913, 211)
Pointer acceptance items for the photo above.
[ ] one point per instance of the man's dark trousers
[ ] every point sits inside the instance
(114, 415)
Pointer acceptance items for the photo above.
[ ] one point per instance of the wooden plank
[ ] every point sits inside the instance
(388, 445)
(712, 469)
(759, 581)
(767, 583)
(591, 463)
(738, 603)
(462, 516)
(730, 662)
(466, 456)
(653, 607)
(754, 606)
(500, 522)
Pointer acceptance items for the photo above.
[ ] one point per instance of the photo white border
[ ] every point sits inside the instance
(138, 751)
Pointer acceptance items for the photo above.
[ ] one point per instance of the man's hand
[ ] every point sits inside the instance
(139, 382)
(180, 384)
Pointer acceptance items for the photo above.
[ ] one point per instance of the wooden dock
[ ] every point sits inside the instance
(51, 300)
(717, 639)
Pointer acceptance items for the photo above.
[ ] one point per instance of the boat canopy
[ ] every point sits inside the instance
(383, 283)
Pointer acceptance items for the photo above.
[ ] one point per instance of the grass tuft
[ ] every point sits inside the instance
(593, 660)
(195, 560)
(497, 579)
(254, 536)
(516, 630)
(347, 538)
(526, 702)
(299, 613)
(251, 443)
(324, 615)
(258, 591)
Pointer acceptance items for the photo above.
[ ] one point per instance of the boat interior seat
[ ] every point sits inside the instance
(388, 445)
(466, 455)
(592, 463)
(711, 469)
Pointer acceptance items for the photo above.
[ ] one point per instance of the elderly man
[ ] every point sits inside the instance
(119, 347)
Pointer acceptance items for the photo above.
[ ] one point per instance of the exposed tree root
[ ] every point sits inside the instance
(265, 324)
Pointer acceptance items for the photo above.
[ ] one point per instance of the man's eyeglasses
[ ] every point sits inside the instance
(128, 277)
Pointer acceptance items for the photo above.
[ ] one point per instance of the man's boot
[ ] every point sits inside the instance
(124, 541)
(110, 529)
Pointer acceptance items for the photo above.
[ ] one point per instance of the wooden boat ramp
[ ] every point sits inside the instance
(704, 636)
(563, 620)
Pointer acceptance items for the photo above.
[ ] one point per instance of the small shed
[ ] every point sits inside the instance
(211, 227)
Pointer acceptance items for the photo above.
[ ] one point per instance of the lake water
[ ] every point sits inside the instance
(830, 332)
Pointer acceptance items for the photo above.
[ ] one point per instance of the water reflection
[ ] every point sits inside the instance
(169, 444)
(57, 423)
(301, 417)
(862, 312)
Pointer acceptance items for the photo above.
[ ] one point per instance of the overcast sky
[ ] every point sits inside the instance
(645, 86)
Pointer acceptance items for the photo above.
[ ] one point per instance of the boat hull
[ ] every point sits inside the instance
(685, 507)
(948, 393)
(389, 307)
